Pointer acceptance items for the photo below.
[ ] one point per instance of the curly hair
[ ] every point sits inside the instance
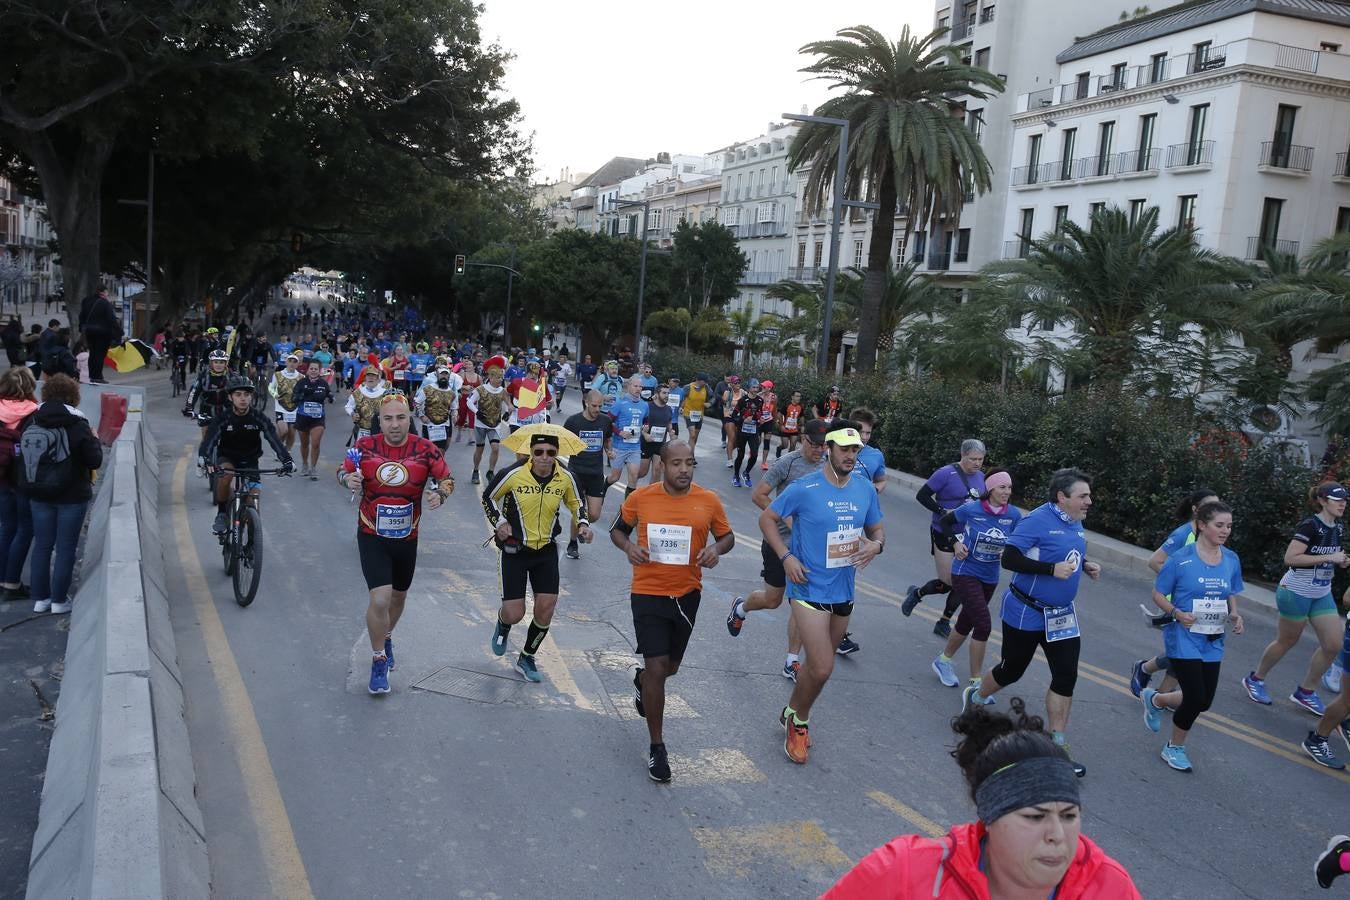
(992, 740)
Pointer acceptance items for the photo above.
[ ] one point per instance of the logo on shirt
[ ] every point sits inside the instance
(392, 473)
(839, 506)
(1076, 558)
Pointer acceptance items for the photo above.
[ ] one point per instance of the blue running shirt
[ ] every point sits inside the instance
(827, 527)
(1049, 535)
(628, 415)
(984, 536)
(1191, 582)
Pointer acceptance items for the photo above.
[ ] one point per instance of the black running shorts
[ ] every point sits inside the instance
(772, 572)
(537, 567)
(944, 542)
(663, 625)
(387, 561)
(592, 484)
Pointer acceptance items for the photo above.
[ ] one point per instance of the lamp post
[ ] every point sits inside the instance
(149, 204)
(642, 269)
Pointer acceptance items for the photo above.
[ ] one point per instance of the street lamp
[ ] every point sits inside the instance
(149, 204)
(642, 268)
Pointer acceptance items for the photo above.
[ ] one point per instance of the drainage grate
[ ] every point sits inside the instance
(468, 684)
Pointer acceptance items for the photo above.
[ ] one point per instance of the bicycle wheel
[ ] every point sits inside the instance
(227, 553)
(248, 562)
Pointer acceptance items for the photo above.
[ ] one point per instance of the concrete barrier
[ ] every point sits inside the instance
(119, 815)
(1108, 550)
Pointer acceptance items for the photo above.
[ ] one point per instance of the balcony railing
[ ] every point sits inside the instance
(962, 30)
(762, 277)
(1026, 175)
(1095, 166)
(939, 262)
(1257, 248)
(807, 273)
(1018, 249)
(1197, 153)
(987, 15)
(1138, 161)
(1342, 166)
(1074, 90)
(1279, 155)
(1108, 84)
(1040, 99)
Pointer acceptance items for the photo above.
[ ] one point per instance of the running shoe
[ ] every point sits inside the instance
(986, 701)
(1343, 730)
(1079, 770)
(525, 666)
(658, 765)
(1176, 757)
(1320, 750)
(797, 743)
(1331, 679)
(1309, 701)
(748, 481)
(59, 608)
(473, 479)
(389, 652)
(1328, 866)
(735, 481)
(1256, 689)
(379, 675)
(498, 641)
(847, 645)
(783, 721)
(1152, 714)
(912, 599)
(313, 474)
(764, 466)
(943, 628)
(790, 670)
(637, 698)
(221, 524)
(573, 551)
(734, 621)
(1139, 679)
(945, 672)
(729, 463)
(490, 473)
(968, 696)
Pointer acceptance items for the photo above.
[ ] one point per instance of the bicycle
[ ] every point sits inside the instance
(241, 546)
(178, 375)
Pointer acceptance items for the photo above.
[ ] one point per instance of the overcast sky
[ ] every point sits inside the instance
(696, 76)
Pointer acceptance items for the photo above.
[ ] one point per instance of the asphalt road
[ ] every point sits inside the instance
(466, 782)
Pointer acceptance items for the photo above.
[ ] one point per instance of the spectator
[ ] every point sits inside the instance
(81, 351)
(98, 323)
(11, 336)
(47, 341)
(18, 400)
(58, 489)
(30, 350)
(58, 360)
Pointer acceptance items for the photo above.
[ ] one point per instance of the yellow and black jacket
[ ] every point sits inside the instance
(530, 505)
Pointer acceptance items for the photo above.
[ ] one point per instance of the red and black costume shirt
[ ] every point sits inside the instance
(394, 479)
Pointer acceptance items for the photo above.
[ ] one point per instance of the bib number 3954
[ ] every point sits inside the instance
(393, 520)
(670, 544)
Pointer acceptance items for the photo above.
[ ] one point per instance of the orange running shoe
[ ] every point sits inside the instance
(783, 721)
(797, 743)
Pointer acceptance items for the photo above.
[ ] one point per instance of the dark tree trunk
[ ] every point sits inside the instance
(874, 280)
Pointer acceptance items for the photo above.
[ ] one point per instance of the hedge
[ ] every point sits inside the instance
(1143, 454)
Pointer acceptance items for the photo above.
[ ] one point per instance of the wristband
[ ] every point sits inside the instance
(784, 557)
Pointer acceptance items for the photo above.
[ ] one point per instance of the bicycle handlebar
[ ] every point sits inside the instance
(251, 472)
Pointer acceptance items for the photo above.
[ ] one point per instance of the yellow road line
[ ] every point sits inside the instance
(1108, 679)
(276, 839)
(909, 814)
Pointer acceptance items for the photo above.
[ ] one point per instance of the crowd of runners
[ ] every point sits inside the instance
(810, 468)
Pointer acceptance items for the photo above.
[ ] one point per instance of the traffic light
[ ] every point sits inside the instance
(536, 327)
(459, 264)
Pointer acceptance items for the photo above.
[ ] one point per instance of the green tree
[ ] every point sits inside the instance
(801, 332)
(747, 331)
(705, 332)
(905, 145)
(706, 265)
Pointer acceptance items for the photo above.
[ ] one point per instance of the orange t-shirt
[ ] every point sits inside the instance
(675, 531)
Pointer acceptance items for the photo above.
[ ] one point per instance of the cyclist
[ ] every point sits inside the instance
(233, 440)
(1304, 596)
(311, 397)
(210, 342)
(363, 404)
(944, 491)
(588, 467)
(521, 505)
(489, 403)
(282, 388)
(209, 390)
(260, 358)
(435, 403)
(394, 472)
(694, 407)
(673, 520)
(836, 531)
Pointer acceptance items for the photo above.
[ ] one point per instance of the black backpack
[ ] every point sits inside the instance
(46, 468)
(9, 442)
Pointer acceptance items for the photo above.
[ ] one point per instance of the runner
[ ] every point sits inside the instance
(464, 419)
(675, 403)
(419, 364)
(829, 407)
(659, 428)
(1027, 841)
(489, 403)
(730, 399)
(521, 504)
(979, 529)
(610, 385)
(435, 404)
(744, 414)
(586, 372)
(1143, 671)
(1335, 719)
(836, 531)
(673, 520)
(530, 397)
(694, 407)
(559, 372)
(311, 397)
(783, 472)
(1304, 596)
(399, 366)
(871, 461)
(282, 389)
(393, 472)
(1333, 861)
(768, 423)
(210, 390)
(588, 467)
(944, 491)
(630, 414)
(363, 404)
(1047, 554)
(1198, 585)
(232, 441)
(790, 420)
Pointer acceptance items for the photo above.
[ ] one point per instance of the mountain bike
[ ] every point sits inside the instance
(241, 546)
(178, 375)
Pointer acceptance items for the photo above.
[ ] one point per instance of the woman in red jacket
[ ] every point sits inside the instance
(1026, 843)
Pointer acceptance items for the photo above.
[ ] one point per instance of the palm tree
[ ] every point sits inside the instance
(745, 331)
(905, 143)
(907, 294)
(802, 330)
(1139, 299)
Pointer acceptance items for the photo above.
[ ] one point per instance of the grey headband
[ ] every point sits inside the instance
(1041, 779)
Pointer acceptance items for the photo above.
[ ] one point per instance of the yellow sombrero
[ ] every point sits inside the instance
(568, 443)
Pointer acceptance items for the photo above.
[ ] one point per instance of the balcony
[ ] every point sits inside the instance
(1109, 84)
(1075, 90)
(1257, 248)
(939, 262)
(987, 15)
(583, 198)
(1342, 171)
(807, 273)
(763, 277)
(1285, 159)
(1026, 176)
(962, 30)
(1096, 166)
(1194, 156)
(1038, 100)
(1018, 249)
(1138, 163)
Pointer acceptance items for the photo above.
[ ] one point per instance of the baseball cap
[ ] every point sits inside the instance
(844, 437)
(766, 383)
(815, 431)
(1332, 491)
(752, 383)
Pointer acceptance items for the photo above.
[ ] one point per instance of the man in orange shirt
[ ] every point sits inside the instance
(672, 520)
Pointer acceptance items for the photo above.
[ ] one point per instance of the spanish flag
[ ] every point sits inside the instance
(531, 397)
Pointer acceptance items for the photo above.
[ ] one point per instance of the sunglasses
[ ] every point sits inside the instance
(549, 453)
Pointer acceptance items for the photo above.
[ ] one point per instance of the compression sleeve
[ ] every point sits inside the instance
(1014, 560)
(950, 526)
(928, 500)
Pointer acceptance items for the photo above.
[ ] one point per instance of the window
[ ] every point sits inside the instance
(1284, 135)
(1118, 76)
(1106, 133)
(801, 254)
(1033, 157)
(654, 223)
(1095, 208)
(975, 122)
(858, 254)
(1329, 47)
(920, 244)
(1024, 232)
(739, 175)
(1081, 85)
(1195, 135)
(1270, 221)
(1186, 211)
(1157, 68)
(1146, 127)
(962, 246)
(773, 181)
(819, 252)
(1203, 57)
(1343, 219)
(1061, 216)
(1136, 210)
(1069, 139)
(982, 58)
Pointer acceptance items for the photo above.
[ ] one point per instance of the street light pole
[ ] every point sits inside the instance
(149, 239)
(642, 270)
(510, 279)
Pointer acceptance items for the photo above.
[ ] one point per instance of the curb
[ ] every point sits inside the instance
(1115, 553)
(119, 815)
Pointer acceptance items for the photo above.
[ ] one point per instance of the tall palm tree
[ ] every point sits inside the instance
(907, 142)
(907, 294)
(745, 331)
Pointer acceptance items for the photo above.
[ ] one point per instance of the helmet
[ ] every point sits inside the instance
(238, 383)
(219, 356)
(213, 330)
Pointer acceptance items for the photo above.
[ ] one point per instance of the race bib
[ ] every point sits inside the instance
(393, 520)
(658, 433)
(585, 385)
(288, 415)
(312, 409)
(326, 373)
(695, 417)
(421, 369)
(594, 440)
(673, 402)
(400, 375)
(1211, 615)
(749, 427)
(669, 544)
(436, 432)
(362, 432)
(790, 423)
(840, 546)
(1061, 624)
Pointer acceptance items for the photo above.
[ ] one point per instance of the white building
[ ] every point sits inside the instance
(759, 199)
(613, 219)
(25, 248)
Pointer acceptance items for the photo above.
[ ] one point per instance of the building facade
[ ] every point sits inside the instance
(29, 275)
(674, 201)
(759, 204)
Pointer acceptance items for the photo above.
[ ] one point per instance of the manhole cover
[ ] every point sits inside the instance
(470, 685)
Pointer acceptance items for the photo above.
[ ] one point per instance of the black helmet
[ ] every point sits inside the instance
(238, 383)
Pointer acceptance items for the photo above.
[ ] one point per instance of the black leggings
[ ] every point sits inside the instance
(1199, 680)
(744, 441)
(1019, 646)
(974, 596)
